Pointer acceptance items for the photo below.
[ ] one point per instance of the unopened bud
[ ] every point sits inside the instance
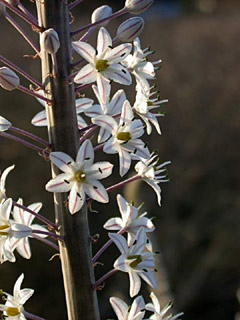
(49, 41)
(137, 6)
(130, 29)
(13, 2)
(8, 79)
(2, 9)
(101, 13)
(4, 124)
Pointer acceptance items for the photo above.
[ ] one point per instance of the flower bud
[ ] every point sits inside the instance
(49, 41)
(2, 9)
(4, 124)
(8, 79)
(101, 13)
(137, 6)
(13, 2)
(130, 29)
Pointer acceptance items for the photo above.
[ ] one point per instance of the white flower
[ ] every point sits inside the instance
(101, 13)
(136, 63)
(130, 29)
(103, 63)
(25, 218)
(137, 6)
(109, 107)
(4, 124)
(130, 221)
(10, 232)
(135, 261)
(13, 308)
(80, 177)
(143, 106)
(148, 170)
(158, 313)
(123, 312)
(3, 181)
(8, 79)
(125, 137)
(49, 41)
(82, 104)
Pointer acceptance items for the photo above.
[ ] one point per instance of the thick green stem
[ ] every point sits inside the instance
(76, 255)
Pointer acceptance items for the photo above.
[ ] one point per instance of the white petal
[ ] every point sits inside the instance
(96, 192)
(124, 162)
(118, 73)
(20, 231)
(40, 119)
(83, 104)
(17, 286)
(76, 200)
(117, 102)
(119, 241)
(59, 183)
(81, 122)
(135, 283)
(61, 160)
(122, 204)
(155, 302)
(85, 50)
(119, 53)
(155, 187)
(137, 306)
(104, 87)
(23, 248)
(149, 277)
(111, 146)
(127, 114)
(3, 178)
(87, 74)
(113, 224)
(106, 122)
(4, 124)
(103, 135)
(94, 111)
(38, 227)
(120, 308)
(85, 153)
(24, 295)
(103, 41)
(102, 169)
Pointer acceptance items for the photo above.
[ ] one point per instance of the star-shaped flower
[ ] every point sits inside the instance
(124, 312)
(80, 177)
(130, 221)
(3, 181)
(125, 137)
(143, 106)
(103, 63)
(158, 313)
(135, 261)
(136, 63)
(109, 107)
(82, 104)
(25, 218)
(13, 308)
(148, 170)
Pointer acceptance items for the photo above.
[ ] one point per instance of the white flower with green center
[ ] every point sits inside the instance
(135, 260)
(3, 182)
(124, 312)
(152, 173)
(131, 221)
(25, 218)
(10, 232)
(125, 137)
(103, 63)
(82, 104)
(13, 308)
(144, 104)
(158, 313)
(137, 64)
(109, 107)
(80, 177)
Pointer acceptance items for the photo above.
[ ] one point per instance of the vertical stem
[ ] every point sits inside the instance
(76, 253)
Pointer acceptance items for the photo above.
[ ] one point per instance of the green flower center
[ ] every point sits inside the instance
(79, 176)
(149, 103)
(101, 65)
(124, 136)
(11, 311)
(137, 259)
(2, 227)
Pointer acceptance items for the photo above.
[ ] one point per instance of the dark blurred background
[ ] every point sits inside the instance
(198, 223)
